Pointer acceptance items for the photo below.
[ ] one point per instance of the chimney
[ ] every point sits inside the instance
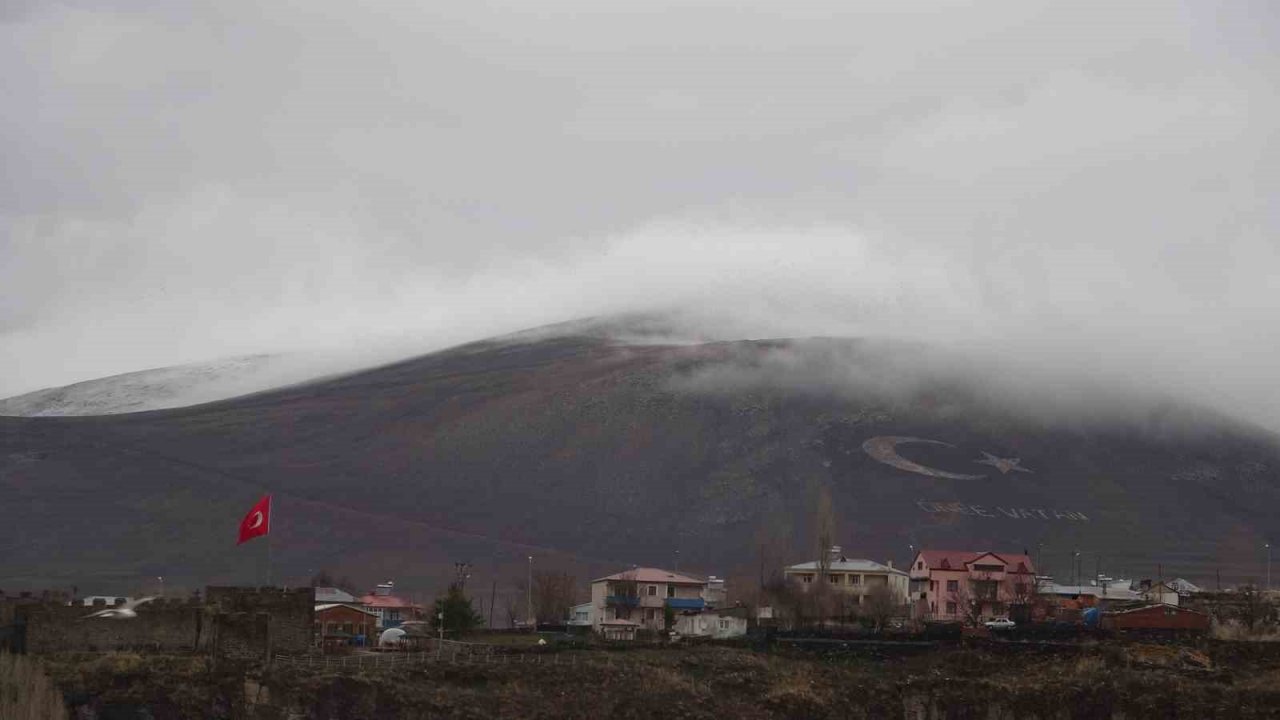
(889, 564)
(834, 553)
(384, 589)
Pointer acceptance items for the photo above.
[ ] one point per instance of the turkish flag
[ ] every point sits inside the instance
(257, 522)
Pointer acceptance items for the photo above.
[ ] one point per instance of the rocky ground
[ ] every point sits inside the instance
(1212, 680)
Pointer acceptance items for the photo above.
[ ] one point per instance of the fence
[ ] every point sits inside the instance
(390, 661)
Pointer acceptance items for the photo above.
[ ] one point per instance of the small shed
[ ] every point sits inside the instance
(720, 624)
(619, 629)
(1163, 617)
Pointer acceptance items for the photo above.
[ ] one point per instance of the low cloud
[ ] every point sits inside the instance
(1056, 186)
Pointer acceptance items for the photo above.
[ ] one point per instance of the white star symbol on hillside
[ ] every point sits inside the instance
(1004, 465)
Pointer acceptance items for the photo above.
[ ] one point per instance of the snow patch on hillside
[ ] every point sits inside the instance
(177, 386)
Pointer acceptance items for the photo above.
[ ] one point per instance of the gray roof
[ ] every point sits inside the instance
(1112, 592)
(334, 595)
(847, 565)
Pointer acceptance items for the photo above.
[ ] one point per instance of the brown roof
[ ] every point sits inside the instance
(653, 575)
(959, 559)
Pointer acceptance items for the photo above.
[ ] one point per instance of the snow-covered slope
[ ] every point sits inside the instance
(175, 386)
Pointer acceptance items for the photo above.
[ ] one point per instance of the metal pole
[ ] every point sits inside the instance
(270, 512)
(529, 601)
(1268, 567)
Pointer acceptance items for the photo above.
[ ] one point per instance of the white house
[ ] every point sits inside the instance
(642, 595)
(719, 624)
(580, 615)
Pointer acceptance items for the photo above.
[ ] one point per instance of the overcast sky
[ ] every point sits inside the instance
(1090, 184)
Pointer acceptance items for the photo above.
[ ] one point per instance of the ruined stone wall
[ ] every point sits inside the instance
(160, 625)
(257, 622)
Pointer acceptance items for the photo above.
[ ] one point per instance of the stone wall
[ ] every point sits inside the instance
(254, 623)
(233, 622)
(174, 625)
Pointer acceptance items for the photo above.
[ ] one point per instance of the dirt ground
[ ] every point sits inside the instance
(990, 680)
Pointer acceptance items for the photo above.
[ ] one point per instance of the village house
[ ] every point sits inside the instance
(855, 578)
(721, 624)
(1090, 595)
(341, 624)
(1159, 593)
(955, 586)
(1157, 617)
(638, 598)
(580, 615)
(390, 609)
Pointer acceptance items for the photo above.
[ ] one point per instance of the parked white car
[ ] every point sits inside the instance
(1000, 624)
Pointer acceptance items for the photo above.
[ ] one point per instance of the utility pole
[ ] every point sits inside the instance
(529, 602)
(677, 567)
(440, 643)
(493, 594)
(1268, 546)
(1075, 568)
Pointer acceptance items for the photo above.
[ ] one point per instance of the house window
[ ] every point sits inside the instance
(653, 590)
(724, 624)
(671, 591)
(953, 586)
(806, 578)
(648, 614)
(951, 608)
(855, 579)
(833, 579)
(920, 565)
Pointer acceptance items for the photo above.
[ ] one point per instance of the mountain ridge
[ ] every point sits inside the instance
(599, 453)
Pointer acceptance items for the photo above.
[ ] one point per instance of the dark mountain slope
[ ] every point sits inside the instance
(591, 455)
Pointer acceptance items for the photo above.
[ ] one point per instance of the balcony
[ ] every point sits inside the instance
(686, 603)
(630, 601)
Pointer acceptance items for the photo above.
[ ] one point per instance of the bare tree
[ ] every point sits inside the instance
(825, 535)
(513, 602)
(1253, 608)
(553, 594)
(879, 606)
(968, 602)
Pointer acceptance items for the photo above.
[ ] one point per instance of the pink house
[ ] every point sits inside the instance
(969, 586)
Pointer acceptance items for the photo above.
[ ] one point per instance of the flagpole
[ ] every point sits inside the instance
(270, 510)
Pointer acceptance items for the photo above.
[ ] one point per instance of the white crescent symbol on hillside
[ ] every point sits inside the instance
(884, 448)
(255, 520)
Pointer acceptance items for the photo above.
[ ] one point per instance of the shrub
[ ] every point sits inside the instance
(26, 693)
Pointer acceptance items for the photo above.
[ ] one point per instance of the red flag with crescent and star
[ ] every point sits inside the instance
(257, 522)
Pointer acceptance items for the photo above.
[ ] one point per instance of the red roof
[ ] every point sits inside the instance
(960, 559)
(386, 601)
